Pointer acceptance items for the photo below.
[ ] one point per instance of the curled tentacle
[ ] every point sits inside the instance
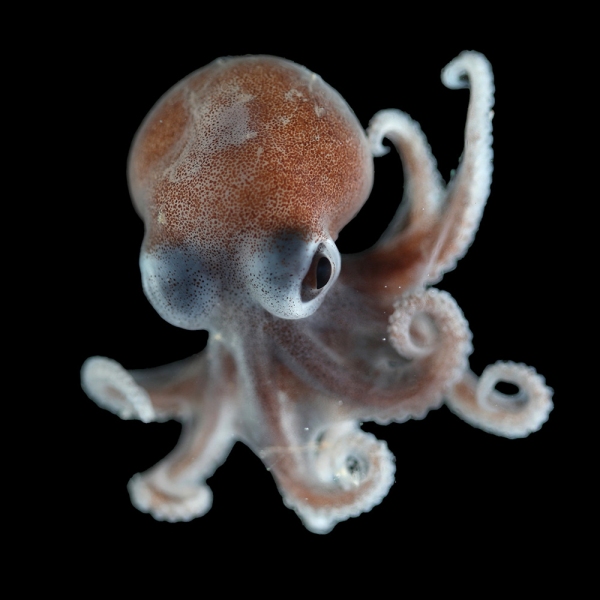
(432, 228)
(429, 330)
(478, 402)
(344, 473)
(392, 370)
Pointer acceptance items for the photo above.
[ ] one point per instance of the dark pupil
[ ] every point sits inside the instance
(323, 272)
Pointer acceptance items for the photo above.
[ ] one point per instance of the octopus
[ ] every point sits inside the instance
(244, 173)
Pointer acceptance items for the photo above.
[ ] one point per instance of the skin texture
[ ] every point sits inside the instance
(244, 173)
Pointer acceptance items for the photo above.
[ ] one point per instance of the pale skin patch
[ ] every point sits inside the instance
(293, 94)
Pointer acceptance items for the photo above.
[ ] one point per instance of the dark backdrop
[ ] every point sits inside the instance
(453, 483)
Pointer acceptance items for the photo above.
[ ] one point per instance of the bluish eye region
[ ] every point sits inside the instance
(181, 287)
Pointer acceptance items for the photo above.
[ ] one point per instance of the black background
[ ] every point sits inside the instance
(455, 485)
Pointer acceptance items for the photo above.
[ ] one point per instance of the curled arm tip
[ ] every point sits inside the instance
(468, 65)
(163, 506)
(350, 472)
(478, 402)
(111, 387)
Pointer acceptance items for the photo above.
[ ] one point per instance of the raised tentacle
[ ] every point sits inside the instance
(402, 252)
(468, 191)
(432, 229)
(478, 402)
(423, 189)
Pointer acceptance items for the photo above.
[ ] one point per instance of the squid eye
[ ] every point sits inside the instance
(323, 272)
(319, 274)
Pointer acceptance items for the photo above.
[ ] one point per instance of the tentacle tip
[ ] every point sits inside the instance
(167, 507)
(380, 125)
(421, 321)
(459, 71)
(378, 149)
(519, 414)
(375, 135)
(316, 523)
(354, 473)
(111, 387)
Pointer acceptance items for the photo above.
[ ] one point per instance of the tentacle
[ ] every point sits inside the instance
(326, 468)
(342, 474)
(111, 387)
(423, 187)
(431, 229)
(159, 394)
(201, 394)
(379, 371)
(174, 489)
(481, 405)
(400, 255)
(468, 191)
(430, 330)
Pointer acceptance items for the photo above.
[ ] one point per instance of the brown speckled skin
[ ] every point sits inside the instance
(301, 162)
